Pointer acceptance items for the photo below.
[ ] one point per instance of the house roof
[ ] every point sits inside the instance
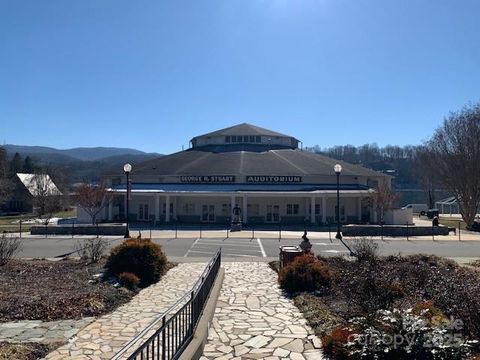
(243, 129)
(269, 162)
(39, 184)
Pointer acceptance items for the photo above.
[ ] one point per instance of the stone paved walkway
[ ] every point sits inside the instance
(107, 335)
(44, 332)
(253, 320)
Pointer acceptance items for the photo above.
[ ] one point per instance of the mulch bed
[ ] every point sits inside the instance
(24, 351)
(46, 290)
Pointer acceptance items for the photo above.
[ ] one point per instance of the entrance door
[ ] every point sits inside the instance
(273, 214)
(208, 213)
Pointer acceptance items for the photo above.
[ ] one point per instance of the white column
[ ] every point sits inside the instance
(324, 209)
(174, 210)
(245, 209)
(167, 208)
(157, 207)
(359, 209)
(312, 210)
(110, 210)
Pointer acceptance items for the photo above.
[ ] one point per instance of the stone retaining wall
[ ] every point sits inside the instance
(79, 229)
(393, 230)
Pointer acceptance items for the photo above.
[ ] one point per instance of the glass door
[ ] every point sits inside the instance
(273, 214)
(208, 213)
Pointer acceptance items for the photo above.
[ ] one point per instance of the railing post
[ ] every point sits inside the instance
(176, 230)
(459, 224)
(407, 230)
(20, 222)
(164, 347)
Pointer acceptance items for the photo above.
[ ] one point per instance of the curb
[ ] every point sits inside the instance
(194, 350)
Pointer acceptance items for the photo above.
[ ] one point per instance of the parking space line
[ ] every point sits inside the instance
(202, 252)
(261, 247)
(204, 247)
(191, 247)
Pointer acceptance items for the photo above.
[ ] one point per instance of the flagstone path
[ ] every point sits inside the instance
(104, 337)
(253, 320)
(44, 332)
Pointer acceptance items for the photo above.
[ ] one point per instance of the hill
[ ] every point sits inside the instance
(80, 153)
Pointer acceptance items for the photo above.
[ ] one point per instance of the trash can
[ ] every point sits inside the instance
(288, 253)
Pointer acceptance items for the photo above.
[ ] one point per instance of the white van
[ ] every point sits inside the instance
(416, 208)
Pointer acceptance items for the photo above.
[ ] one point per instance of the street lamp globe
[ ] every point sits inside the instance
(337, 168)
(127, 168)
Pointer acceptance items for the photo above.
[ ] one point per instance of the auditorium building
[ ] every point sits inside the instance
(262, 172)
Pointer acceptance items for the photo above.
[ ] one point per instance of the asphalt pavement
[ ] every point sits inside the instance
(264, 247)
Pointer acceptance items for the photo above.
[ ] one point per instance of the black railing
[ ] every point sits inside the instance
(177, 325)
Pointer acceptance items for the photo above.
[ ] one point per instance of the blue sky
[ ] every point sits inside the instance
(152, 74)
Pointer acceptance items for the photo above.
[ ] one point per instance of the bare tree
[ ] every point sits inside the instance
(46, 196)
(384, 198)
(452, 155)
(92, 199)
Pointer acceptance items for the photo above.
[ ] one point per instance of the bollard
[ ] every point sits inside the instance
(407, 230)
(433, 233)
(200, 230)
(329, 232)
(279, 232)
(46, 225)
(227, 231)
(381, 226)
(73, 227)
(176, 230)
(20, 222)
(459, 223)
(97, 229)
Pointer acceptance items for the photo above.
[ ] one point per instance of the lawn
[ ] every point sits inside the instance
(11, 223)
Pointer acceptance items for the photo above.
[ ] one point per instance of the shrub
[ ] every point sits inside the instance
(141, 257)
(304, 273)
(129, 280)
(9, 246)
(397, 334)
(91, 249)
(365, 249)
(335, 344)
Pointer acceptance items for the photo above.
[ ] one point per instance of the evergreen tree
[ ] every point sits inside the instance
(28, 165)
(16, 164)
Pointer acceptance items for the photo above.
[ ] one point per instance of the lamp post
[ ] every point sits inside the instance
(338, 169)
(127, 168)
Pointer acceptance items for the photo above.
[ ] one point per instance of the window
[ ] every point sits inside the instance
(253, 209)
(227, 139)
(258, 139)
(292, 209)
(189, 209)
(234, 139)
(239, 139)
(317, 209)
(252, 139)
(143, 212)
(245, 139)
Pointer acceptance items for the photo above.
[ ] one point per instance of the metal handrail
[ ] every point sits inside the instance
(191, 295)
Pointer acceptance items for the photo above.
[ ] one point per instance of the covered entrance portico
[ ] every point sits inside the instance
(258, 207)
